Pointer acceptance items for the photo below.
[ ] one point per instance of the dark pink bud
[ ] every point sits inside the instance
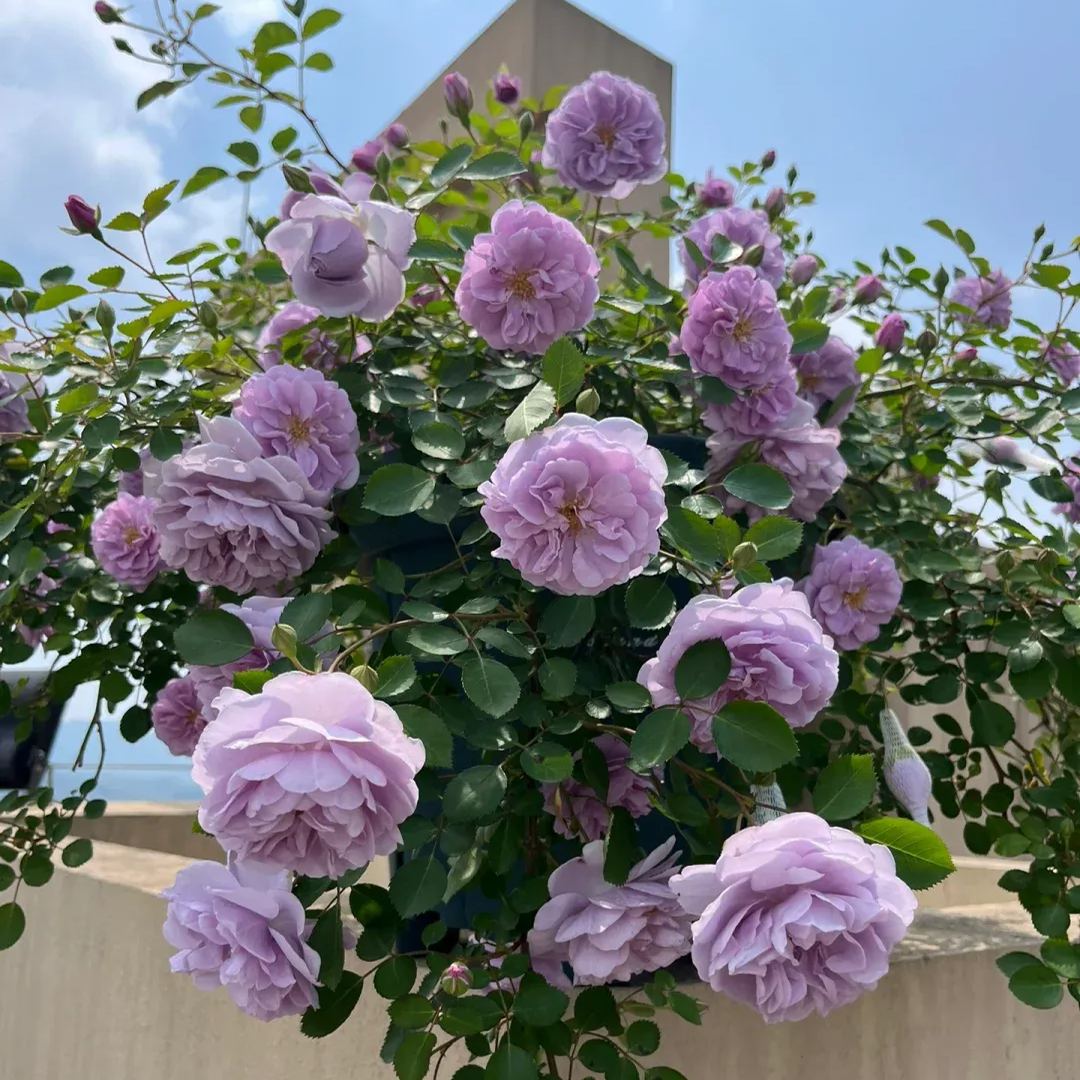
(425, 294)
(459, 99)
(84, 217)
(365, 157)
(966, 354)
(715, 193)
(768, 159)
(507, 87)
(106, 12)
(868, 288)
(397, 135)
(890, 335)
(775, 202)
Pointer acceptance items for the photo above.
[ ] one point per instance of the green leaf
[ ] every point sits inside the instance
(430, 729)
(494, 166)
(412, 1011)
(10, 278)
(57, 295)
(395, 977)
(774, 537)
(759, 484)
(450, 164)
(1062, 956)
(273, 35)
(417, 886)
(474, 793)
(247, 152)
(537, 1003)
(650, 604)
(845, 787)
(158, 90)
(9, 519)
(807, 335)
(252, 680)
(413, 1055)
(77, 852)
(533, 409)
(334, 1008)
(307, 615)
(1036, 985)
(1013, 961)
(108, 277)
(621, 849)
(213, 637)
(702, 669)
(642, 1037)
(568, 620)
(658, 738)
(510, 1062)
(434, 251)
(922, 859)
(438, 640)
(547, 762)
(628, 696)
(558, 677)
(563, 369)
(203, 178)
(12, 924)
(439, 440)
(991, 724)
(77, 399)
(396, 490)
(326, 939)
(1052, 488)
(491, 686)
(396, 675)
(125, 222)
(319, 61)
(753, 736)
(316, 23)
(36, 869)
(1051, 275)
(691, 533)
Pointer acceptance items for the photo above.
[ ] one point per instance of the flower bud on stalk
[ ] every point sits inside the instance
(906, 774)
(768, 803)
(456, 980)
(459, 98)
(82, 215)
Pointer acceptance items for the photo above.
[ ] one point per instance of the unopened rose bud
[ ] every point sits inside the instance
(965, 355)
(890, 335)
(366, 676)
(397, 135)
(868, 288)
(18, 301)
(106, 317)
(744, 555)
(507, 87)
(775, 202)
(753, 255)
(208, 317)
(459, 99)
(803, 269)
(906, 774)
(456, 980)
(366, 157)
(283, 638)
(768, 803)
(588, 401)
(926, 342)
(715, 193)
(526, 122)
(83, 216)
(768, 159)
(425, 294)
(106, 12)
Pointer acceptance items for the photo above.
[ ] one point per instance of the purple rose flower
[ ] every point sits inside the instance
(906, 775)
(827, 373)
(577, 507)
(734, 330)
(300, 414)
(345, 259)
(396, 135)
(355, 188)
(1064, 358)
(606, 137)
(82, 215)
(803, 269)
(609, 933)
(125, 541)
(240, 927)
(890, 335)
(779, 655)
(426, 294)
(177, 717)
(507, 87)
(988, 298)
(319, 352)
(366, 157)
(758, 411)
(1072, 481)
(14, 390)
(746, 228)
(579, 810)
(529, 281)
(853, 590)
(868, 288)
(229, 515)
(716, 193)
(796, 916)
(311, 774)
(458, 94)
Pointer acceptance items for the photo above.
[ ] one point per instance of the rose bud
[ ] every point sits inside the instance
(83, 216)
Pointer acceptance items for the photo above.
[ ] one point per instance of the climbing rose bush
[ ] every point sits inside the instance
(441, 531)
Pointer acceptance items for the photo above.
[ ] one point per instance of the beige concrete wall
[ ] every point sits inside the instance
(552, 43)
(87, 992)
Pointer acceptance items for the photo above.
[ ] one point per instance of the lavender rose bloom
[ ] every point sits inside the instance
(299, 413)
(853, 590)
(578, 506)
(746, 228)
(609, 933)
(177, 717)
(988, 298)
(579, 810)
(803, 269)
(345, 259)
(1064, 358)
(734, 330)
(796, 917)
(354, 188)
(311, 774)
(240, 927)
(890, 334)
(126, 542)
(507, 87)
(229, 515)
(529, 281)
(320, 352)
(606, 137)
(827, 373)
(716, 193)
(779, 655)
(14, 388)
(759, 410)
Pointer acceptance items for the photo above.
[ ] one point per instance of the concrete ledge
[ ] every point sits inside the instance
(93, 947)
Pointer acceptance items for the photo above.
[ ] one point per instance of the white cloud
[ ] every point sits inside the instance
(243, 16)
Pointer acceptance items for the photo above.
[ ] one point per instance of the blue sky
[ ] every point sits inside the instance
(894, 113)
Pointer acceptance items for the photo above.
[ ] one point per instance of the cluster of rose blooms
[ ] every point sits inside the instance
(313, 775)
